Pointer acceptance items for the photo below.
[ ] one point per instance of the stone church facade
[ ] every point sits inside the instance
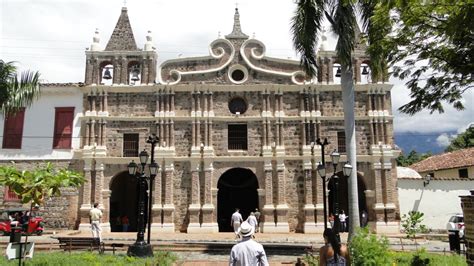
(236, 130)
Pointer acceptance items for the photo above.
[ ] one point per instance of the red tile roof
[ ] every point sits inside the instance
(449, 160)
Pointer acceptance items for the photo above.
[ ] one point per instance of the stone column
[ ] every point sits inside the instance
(268, 218)
(195, 206)
(379, 206)
(206, 133)
(117, 71)
(105, 224)
(87, 140)
(264, 133)
(93, 139)
(145, 71)
(168, 207)
(100, 134)
(157, 205)
(193, 133)
(171, 133)
(211, 104)
(210, 135)
(309, 208)
(281, 208)
(330, 71)
(89, 67)
(371, 128)
(86, 196)
(124, 74)
(99, 179)
(101, 101)
(208, 209)
(106, 104)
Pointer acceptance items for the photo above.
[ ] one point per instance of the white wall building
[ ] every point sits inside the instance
(48, 130)
(438, 200)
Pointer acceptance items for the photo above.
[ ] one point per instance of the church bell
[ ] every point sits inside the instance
(107, 74)
(365, 71)
(338, 72)
(135, 74)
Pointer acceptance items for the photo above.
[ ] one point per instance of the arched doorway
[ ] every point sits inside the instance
(343, 192)
(123, 202)
(237, 189)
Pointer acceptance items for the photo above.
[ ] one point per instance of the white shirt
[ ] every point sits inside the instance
(252, 220)
(95, 214)
(248, 252)
(236, 217)
(342, 217)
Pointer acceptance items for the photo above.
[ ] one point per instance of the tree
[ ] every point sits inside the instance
(306, 28)
(32, 186)
(411, 158)
(431, 45)
(36, 185)
(462, 141)
(16, 92)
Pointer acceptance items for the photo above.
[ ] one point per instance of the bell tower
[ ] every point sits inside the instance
(121, 62)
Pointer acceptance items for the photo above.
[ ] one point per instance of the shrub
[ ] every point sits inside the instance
(411, 224)
(368, 249)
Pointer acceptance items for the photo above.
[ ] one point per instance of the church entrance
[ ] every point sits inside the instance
(237, 189)
(343, 195)
(123, 202)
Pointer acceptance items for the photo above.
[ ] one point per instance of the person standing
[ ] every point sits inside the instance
(125, 223)
(342, 220)
(252, 220)
(333, 252)
(364, 217)
(257, 216)
(95, 215)
(247, 251)
(235, 221)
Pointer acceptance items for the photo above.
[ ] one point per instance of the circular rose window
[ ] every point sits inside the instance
(238, 74)
(237, 106)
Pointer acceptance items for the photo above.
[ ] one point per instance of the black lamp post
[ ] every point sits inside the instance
(335, 156)
(153, 140)
(141, 248)
(322, 173)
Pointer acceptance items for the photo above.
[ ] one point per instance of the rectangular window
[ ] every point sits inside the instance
(13, 130)
(463, 173)
(130, 145)
(341, 141)
(10, 196)
(237, 137)
(63, 125)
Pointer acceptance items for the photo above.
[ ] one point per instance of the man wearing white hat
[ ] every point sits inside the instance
(247, 251)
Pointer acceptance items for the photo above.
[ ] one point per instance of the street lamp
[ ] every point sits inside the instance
(335, 156)
(141, 248)
(322, 173)
(153, 140)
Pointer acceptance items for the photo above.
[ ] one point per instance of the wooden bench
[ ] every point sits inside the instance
(113, 246)
(78, 243)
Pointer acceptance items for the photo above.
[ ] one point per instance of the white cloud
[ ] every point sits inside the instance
(443, 140)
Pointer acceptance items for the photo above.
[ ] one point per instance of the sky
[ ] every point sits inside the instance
(51, 36)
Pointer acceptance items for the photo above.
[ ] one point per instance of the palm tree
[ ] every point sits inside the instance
(16, 92)
(306, 28)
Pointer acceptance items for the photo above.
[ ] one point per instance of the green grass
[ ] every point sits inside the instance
(406, 259)
(90, 259)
